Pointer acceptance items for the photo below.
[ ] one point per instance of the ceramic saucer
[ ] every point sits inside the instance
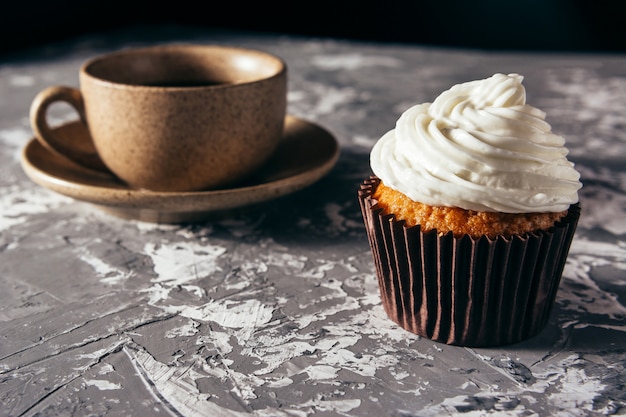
(306, 153)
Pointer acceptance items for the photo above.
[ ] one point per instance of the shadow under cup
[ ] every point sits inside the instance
(179, 117)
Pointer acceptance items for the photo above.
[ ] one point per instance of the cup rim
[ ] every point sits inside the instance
(87, 67)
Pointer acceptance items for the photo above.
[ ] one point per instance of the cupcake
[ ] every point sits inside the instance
(470, 213)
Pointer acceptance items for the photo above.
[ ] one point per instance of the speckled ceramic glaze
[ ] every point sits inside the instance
(174, 117)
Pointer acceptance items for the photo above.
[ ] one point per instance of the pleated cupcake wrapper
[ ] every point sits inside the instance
(474, 292)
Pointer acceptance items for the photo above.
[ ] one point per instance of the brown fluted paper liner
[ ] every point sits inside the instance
(464, 291)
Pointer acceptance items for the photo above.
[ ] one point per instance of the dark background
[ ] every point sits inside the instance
(545, 25)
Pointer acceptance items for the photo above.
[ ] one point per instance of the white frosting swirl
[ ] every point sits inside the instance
(478, 146)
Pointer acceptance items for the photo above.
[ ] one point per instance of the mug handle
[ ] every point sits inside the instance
(83, 154)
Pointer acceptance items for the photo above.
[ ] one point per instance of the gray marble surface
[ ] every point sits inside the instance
(274, 310)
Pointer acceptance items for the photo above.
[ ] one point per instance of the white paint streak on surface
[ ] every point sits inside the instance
(156, 293)
(570, 391)
(586, 293)
(180, 264)
(609, 208)
(108, 274)
(14, 138)
(276, 354)
(102, 385)
(321, 372)
(576, 390)
(339, 222)
(183, 262)
(577, 393)
(177, 387)
(328, 99)
(364, 141)
(285, 260)
(105, 369)
(279, 383)
(319, 271)
(334, 406)
(365, 365)
(16, 204)
(21, 80)
(215, 340)
(184, 331)
(231, 314)
(593, 101)
(195, 290)
(353, 61)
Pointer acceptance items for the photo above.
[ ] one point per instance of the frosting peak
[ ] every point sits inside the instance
(480, 147)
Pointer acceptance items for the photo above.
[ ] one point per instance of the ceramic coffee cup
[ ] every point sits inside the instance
(173, 117)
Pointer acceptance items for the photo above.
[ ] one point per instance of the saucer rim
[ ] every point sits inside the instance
(134, 203)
